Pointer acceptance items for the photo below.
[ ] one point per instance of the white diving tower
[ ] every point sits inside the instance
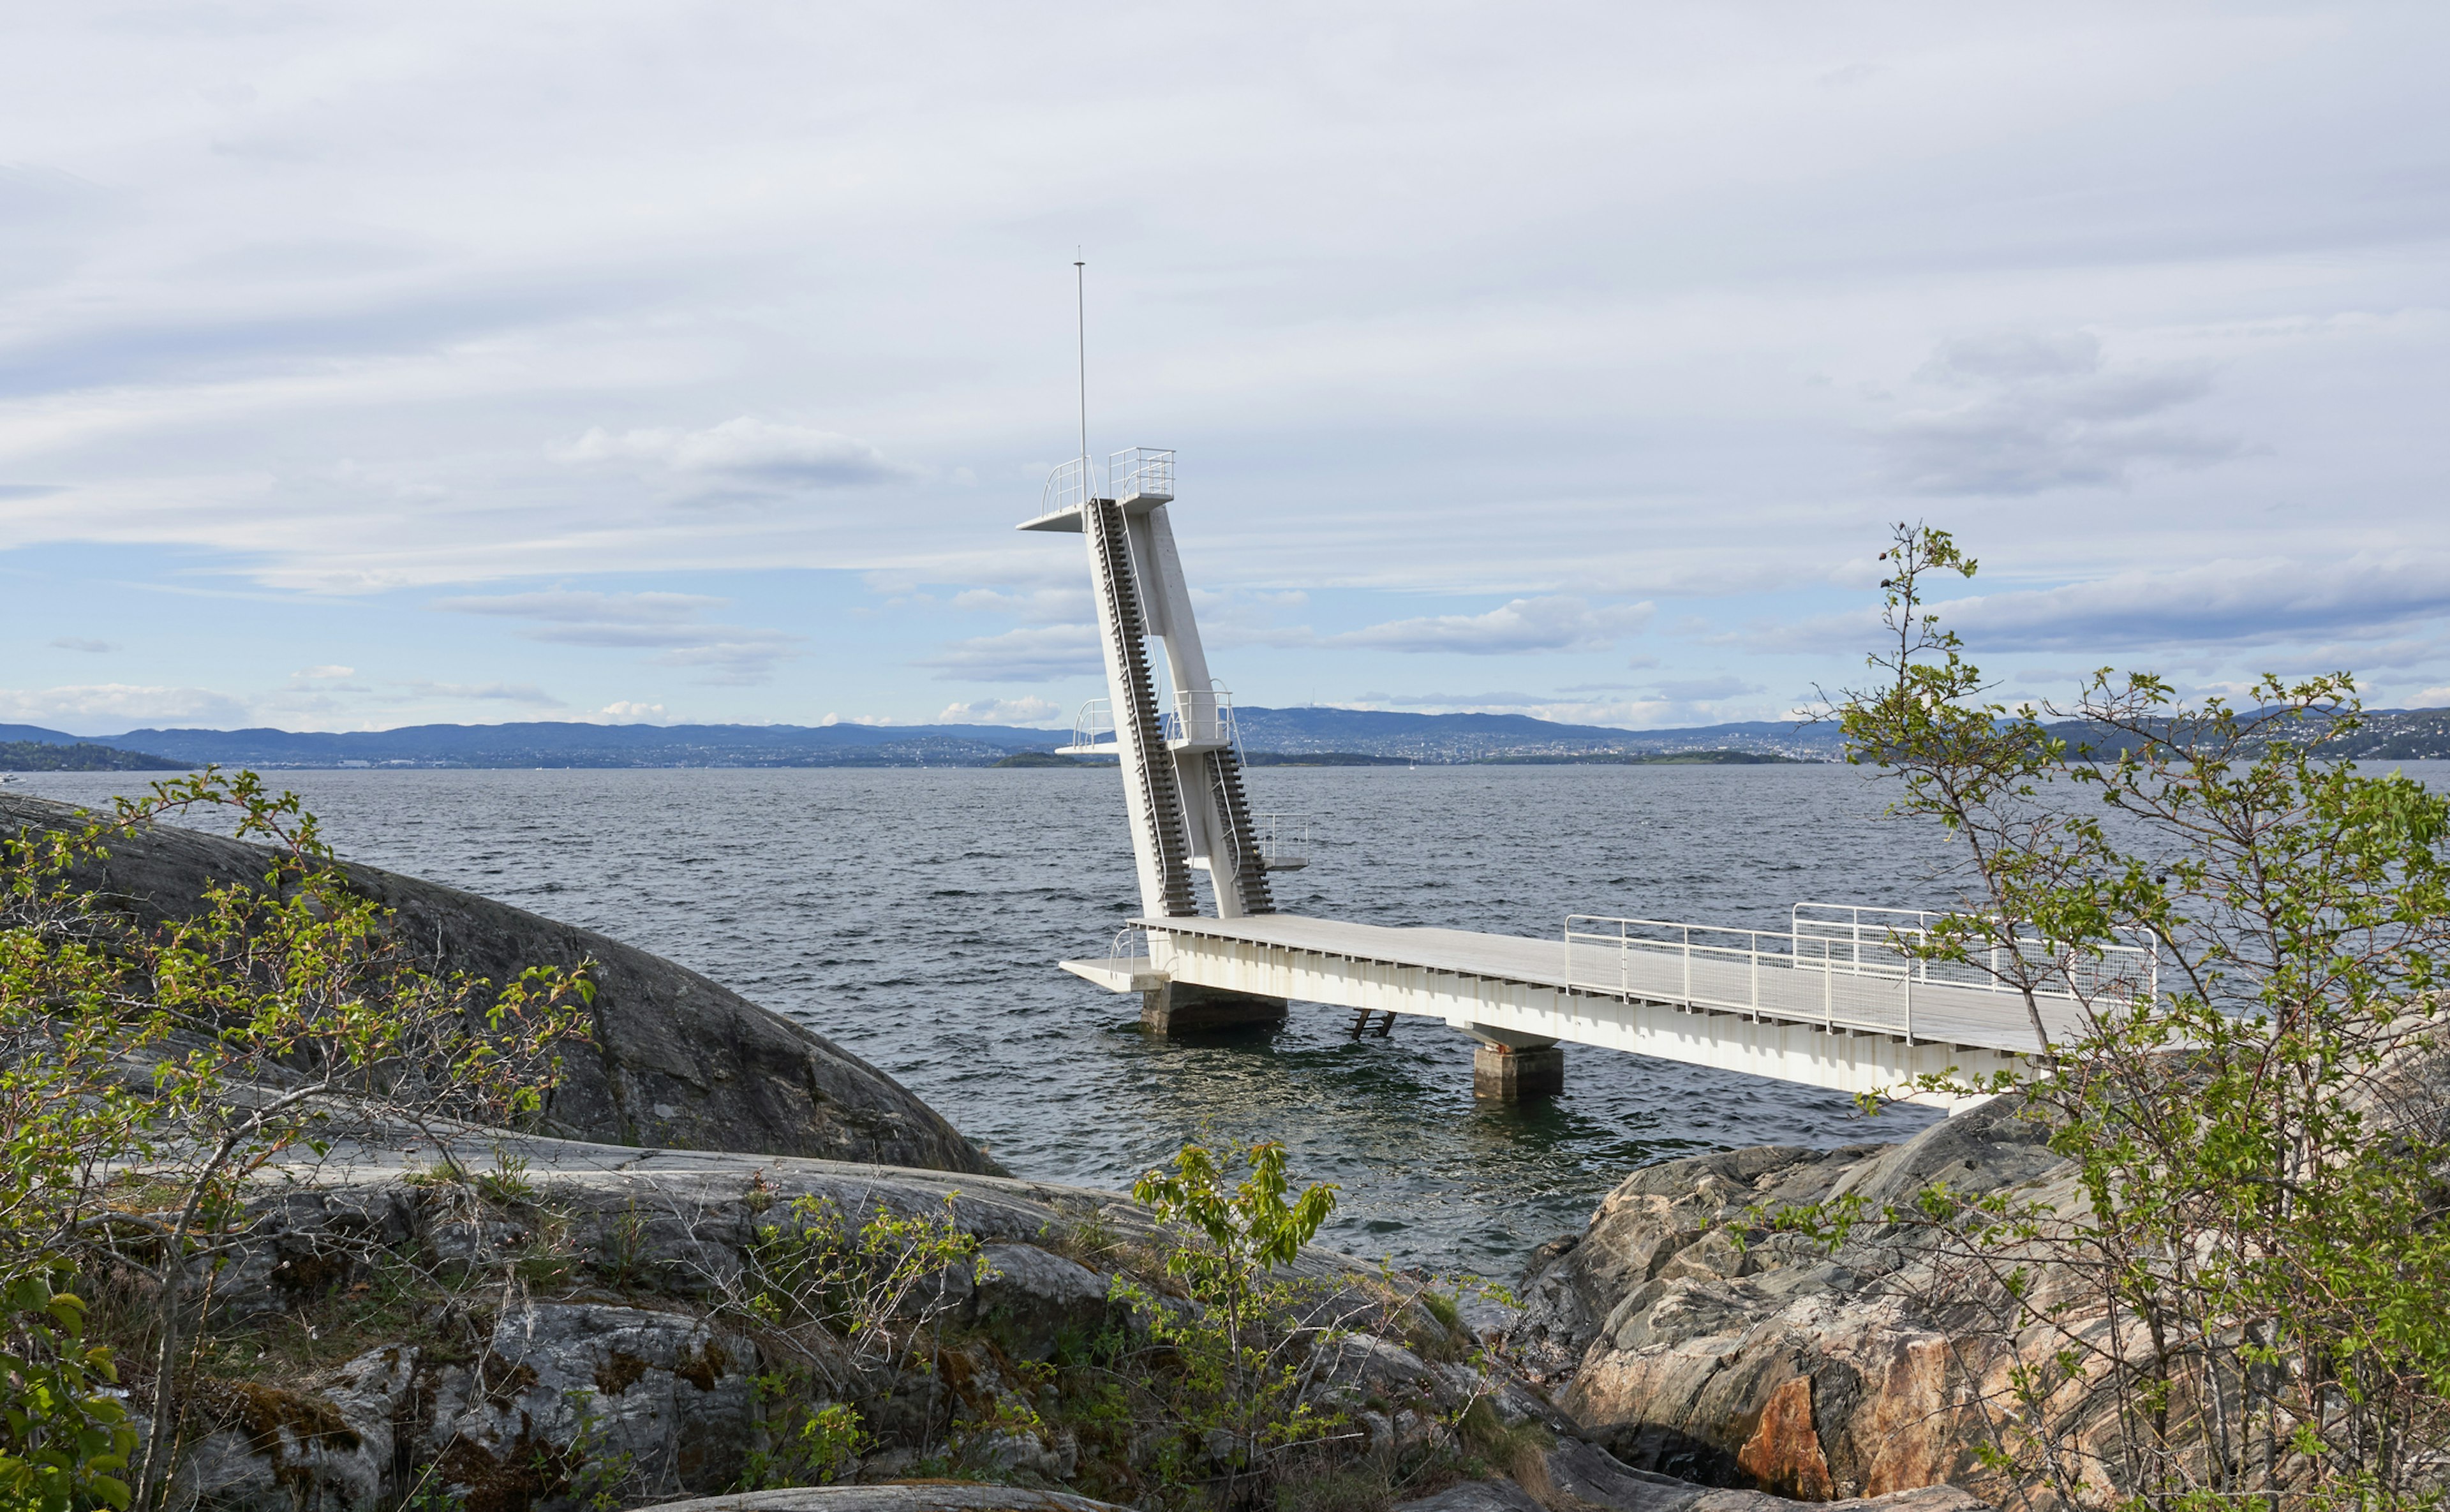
(1183, 772)
(1831, 1001)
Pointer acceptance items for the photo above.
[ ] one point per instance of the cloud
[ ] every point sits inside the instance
(121, 706)
(528, 693)
(563, 605)
(1557, 622)
(1034, 654)
(2227, 602)
(80, 643)
(2045, 412)
(741, 658)
(622, 712)
(735, 656)
(1706, 689)
(749, 448)
(2221, 601)
(1043, 606)
(1001, 711)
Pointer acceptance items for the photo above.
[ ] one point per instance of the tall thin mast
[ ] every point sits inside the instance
(1080, 309)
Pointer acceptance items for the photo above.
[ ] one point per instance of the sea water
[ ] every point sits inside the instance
(915, 916)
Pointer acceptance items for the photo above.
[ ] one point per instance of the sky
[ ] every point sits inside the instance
(372, 365)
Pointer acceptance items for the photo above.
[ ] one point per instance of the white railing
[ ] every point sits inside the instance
(1143, 471)
(1840, 966)
(1130, 942)
(1147, 471)
(1202, 718)
(1870, 939)
(1068, 488)
(1283, 840)
(1092, 730)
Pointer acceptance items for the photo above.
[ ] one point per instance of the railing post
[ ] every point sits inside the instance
(1910, 1013)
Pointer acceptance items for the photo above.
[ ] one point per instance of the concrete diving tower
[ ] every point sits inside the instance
(1839, 1001)
(1183, 788)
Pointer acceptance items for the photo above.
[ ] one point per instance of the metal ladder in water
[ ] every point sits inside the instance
(1153, 763)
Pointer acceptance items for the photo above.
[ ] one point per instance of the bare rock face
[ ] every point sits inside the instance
(937, 1497)
(1693, 1345)
(601, 1365)
(679, 1060)
(560, 1387)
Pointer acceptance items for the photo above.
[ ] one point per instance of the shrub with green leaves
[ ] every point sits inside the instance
(65, 1440)
(277, 1012)
(2246, 1304)
(1234, 1404)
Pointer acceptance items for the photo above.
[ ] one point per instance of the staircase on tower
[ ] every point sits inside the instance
(1181, 764)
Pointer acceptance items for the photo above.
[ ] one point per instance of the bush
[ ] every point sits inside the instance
(64, 1440)
(2246, 1304)
(284, 1010)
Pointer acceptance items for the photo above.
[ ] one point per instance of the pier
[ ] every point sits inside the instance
(1838, 1000)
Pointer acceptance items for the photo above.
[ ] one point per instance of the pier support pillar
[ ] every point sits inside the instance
(1511, 1066)
(1182, 1007)
(1502, 1075)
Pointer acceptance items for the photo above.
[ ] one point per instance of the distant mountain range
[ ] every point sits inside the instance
(1435, 738)
(2391, 734)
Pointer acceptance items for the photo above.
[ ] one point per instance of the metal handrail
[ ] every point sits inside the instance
(2092, 969)
(1795, 975)
(1096, 718)
(1144, 470)
(1202, 718)
(1283, 840)
(1067, 487)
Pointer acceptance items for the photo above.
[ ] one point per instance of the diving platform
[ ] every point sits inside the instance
(1844, 998)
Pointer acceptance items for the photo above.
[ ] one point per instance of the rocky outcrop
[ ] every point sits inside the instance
(938, 1497)
(589, 1340)
(679, 1061)
(1693, 1345)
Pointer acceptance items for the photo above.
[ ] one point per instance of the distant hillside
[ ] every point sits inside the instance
(77, 756)
(2380, 735)
(544, 742)
(1290, 733)
(1270, 736)
(1491, 737)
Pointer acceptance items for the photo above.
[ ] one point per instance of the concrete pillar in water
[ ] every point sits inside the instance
(1511, 1066)
(1179, 1007)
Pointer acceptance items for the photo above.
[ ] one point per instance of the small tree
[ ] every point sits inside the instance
(2245, 1306)
(1243, 1350)
(284, 1010)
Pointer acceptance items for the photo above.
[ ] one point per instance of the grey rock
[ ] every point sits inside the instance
(679, 1060)
(1476, 1495)
(934, 1497)
(1586, 1472)
(660, 1395)
(1031, 1300)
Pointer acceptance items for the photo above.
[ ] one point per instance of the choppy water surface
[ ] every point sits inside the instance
(915, 916)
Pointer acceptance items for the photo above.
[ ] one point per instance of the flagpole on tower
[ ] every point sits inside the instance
(1080, 310)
